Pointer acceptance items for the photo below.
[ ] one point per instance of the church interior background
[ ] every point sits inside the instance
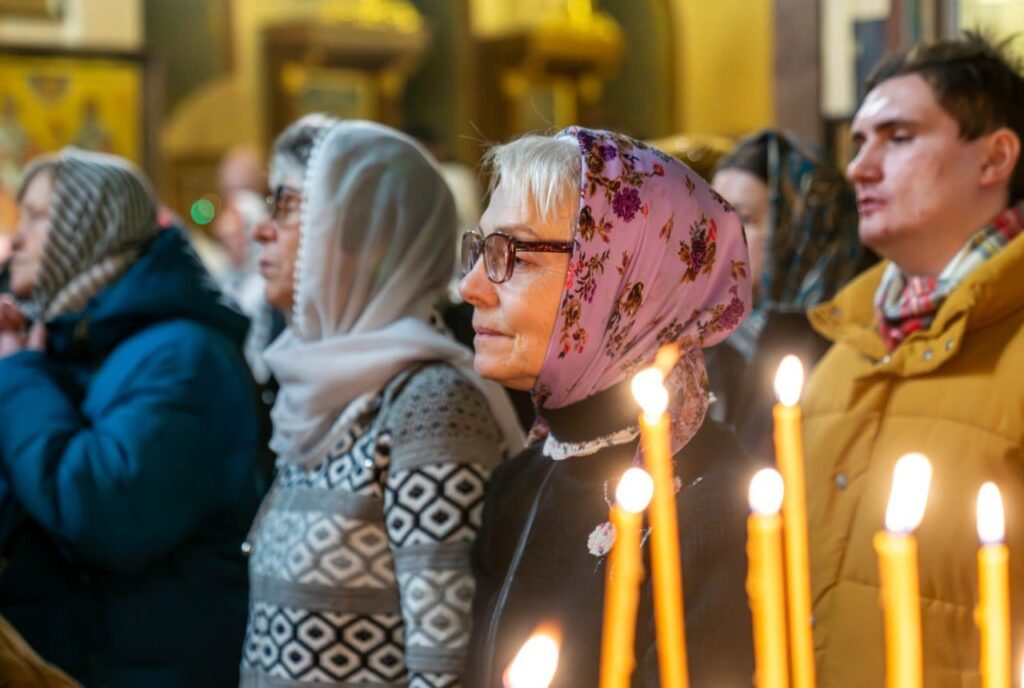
(175, 84)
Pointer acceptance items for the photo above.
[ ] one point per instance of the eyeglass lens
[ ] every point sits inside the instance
(497, 249)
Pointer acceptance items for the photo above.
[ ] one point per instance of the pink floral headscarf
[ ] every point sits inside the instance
(658, 257)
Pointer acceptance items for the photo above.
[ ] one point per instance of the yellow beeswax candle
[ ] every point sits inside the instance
(764, 579)
(655, 437)
(623, 574)
(897, 559)
(789, 456)
(993, 612)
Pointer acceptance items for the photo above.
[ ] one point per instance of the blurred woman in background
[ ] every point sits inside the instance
(800, 217)
(128, 437)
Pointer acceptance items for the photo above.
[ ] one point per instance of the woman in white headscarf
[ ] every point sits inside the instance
(385, 435)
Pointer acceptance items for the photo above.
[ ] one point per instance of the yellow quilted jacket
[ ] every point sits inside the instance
(954, 392)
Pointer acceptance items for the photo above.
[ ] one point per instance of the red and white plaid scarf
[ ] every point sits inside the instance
(904, 305)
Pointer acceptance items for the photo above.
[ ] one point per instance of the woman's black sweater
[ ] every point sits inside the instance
(533, 565)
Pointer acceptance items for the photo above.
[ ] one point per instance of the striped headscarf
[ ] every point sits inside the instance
(102, 214)
(813, 248)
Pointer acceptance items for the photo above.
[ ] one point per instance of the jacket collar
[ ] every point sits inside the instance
(167, 282)
(989, 294)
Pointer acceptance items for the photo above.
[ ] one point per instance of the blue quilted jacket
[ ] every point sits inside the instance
(128, 481)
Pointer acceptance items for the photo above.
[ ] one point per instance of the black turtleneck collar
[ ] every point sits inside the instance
(603, 413)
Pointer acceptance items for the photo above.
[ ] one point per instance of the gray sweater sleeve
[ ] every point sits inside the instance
(444, 444)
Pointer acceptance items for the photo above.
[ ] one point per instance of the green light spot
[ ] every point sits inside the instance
(203, 212)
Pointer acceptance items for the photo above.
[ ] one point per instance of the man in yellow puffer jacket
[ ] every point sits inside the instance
(928, 356)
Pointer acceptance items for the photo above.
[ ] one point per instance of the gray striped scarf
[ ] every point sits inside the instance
(101, 216)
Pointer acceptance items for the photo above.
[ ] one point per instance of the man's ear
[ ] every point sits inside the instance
(1002, 152)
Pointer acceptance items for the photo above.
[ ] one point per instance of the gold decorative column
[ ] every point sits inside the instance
(352, 61)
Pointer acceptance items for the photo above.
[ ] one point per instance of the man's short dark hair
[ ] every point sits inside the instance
(975, 80)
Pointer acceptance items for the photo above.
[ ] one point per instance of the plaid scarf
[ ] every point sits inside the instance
(904, 305)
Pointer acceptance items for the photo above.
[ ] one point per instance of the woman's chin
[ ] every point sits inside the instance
(278, 299)
(522, 384)
(486, 368)
(21, 286)
(497, 370)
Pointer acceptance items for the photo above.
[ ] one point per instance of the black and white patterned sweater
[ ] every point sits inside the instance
(359, 568)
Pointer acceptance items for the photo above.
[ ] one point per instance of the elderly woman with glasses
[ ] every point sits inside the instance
(385, 436)
(596, 250)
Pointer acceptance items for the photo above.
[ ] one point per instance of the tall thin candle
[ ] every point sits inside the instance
(655, 436)
(789, 456)
(993, 613)
(897, 559)
(624, 572)
(764, 579)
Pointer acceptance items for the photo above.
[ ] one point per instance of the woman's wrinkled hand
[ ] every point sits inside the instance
(15, 335)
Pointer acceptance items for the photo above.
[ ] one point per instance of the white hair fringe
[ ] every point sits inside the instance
(543, 170)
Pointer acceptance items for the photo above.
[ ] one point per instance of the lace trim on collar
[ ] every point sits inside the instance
(559, 451)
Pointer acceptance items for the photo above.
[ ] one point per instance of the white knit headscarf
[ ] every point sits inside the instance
(374, 257)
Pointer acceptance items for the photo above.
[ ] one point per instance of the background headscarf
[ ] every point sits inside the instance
(101, 216)
(658, 257)
(374, 257)
(813, 248)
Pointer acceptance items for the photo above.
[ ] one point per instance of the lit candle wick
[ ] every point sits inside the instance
(535, 664)
(636, 487)
(766, 492)
(991, 520)
(789, 381)
(649, 391)
(911, 480)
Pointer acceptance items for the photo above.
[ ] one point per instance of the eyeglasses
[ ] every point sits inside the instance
(499, 252)
(284, 205)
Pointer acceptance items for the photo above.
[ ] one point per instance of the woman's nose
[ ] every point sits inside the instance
(263, 231)
(475, 288)
(18, 240)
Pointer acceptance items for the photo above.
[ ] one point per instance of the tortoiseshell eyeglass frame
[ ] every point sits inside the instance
(475, 245)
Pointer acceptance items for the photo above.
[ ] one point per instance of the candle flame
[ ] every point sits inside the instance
(789, 381)
(635, 490)
(649, 391)
(766, 491)
(991, 521)
(910, 482)
(535, 664)
(666, 358)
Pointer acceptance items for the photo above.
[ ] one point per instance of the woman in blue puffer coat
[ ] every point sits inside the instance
(128, 437)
